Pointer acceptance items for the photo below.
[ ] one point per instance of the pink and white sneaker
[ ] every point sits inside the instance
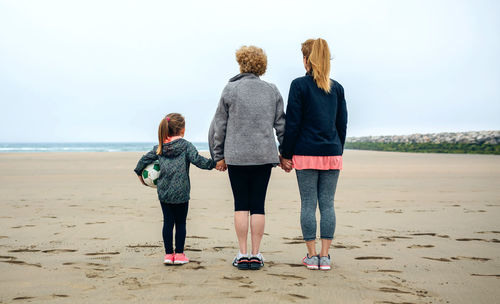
(180, 258)
(168, 259)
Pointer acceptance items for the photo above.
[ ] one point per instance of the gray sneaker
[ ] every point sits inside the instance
(325, 263)
(311, 262)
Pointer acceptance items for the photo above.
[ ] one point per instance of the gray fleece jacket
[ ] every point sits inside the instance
(242, 129)
(173, 184)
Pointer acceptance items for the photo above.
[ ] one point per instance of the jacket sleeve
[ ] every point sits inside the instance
(219, 126)
(341, 119)
(199, 161)
(145, 160)
(293, 121)
(279, 118)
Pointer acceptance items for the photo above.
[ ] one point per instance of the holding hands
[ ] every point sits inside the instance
(286, 164)
(221, 165)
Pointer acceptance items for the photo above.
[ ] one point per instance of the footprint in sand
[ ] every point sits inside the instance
(92, 223)
(348, 247)
(481, 232)
(373, 258)
(437, 259)
(143, 246)
(24, 250)
(131, 283)
(17, 262)
(299, 296)
(420, 246)
(220, 248)
(294, 265)
(485, 275)
(471, 258)
(293, 242)
(392, 290)
(286, 276)
(16, 227)
(196, 237)
(431, 234)
(473, 211)
(7, 257)
(476, 239)
(385, 271)
(219, 228)
(241, 279)
(59, 250)
(23, 298)
(394, 211)
(191, 249)
(393, 238)
(103, 253)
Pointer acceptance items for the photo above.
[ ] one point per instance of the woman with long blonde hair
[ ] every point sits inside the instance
(315, 131)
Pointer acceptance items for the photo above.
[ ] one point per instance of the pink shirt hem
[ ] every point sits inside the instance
(302, 162)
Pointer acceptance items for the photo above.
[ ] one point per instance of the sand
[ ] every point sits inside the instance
(411, 228)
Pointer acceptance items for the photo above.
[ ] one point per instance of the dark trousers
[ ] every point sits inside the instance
(249, 185)
(174, 215)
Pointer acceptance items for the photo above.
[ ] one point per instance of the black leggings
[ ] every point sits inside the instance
(249, 185)
(174, 214)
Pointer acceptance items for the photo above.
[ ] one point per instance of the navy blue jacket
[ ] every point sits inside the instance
(316, 122)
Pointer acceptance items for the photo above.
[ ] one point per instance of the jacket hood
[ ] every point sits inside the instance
(243, 75)
(174, 148)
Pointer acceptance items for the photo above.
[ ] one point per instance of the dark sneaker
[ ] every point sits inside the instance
(242, 263)
(311, 262)
(325, 263)
(256, 261)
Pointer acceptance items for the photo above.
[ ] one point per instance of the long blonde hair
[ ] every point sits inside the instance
(319, 61)
(170, 125)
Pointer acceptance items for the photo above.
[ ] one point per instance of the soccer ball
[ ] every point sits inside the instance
(151, 173)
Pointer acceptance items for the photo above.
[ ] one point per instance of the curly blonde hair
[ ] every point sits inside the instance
(251, 59)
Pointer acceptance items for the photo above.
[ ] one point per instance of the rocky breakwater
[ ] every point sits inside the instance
(474, 137)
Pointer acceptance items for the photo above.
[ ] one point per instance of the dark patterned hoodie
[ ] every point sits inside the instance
(173, 184)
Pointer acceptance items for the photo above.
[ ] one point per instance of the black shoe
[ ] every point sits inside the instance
(256, 262)
(242, 263)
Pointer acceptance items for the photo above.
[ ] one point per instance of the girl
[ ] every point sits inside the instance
(316, 123)
(174, 154)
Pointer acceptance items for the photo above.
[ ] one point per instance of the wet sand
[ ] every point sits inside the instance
(411, 228)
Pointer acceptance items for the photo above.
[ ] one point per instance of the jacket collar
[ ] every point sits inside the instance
(244, 75)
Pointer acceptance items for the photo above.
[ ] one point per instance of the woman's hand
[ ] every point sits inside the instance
(142, 181)
(221, 165)
(286, 164)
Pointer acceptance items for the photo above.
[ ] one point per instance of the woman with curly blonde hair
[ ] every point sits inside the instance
(242, 140)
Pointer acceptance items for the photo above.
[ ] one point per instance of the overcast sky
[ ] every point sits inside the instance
(110, 70)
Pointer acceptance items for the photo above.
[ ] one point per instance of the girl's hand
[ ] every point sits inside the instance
(142, 181)
(221, 165)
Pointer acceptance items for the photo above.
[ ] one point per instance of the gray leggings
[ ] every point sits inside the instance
(317, 187)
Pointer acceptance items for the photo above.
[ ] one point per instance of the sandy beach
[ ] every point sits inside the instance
(411, 228)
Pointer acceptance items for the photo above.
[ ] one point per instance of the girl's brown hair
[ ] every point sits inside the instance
(170, 125)
(319, 62)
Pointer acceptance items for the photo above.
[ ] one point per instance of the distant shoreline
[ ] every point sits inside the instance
(426, 147)
(474, 142)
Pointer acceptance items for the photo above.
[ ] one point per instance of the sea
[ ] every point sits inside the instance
(85, 147)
